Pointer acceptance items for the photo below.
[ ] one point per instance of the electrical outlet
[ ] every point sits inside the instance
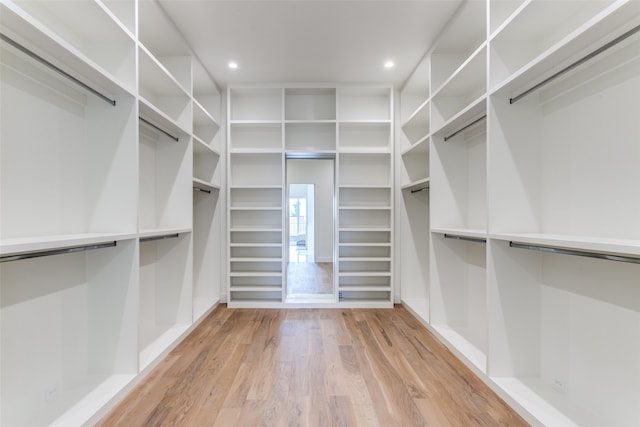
(51, 392)
(558, 385)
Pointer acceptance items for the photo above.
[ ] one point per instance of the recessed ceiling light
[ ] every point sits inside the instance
(389, 64)
(233, 65)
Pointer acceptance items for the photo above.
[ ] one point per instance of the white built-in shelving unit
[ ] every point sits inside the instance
(108, 256)
(532, 214)
(351, 124)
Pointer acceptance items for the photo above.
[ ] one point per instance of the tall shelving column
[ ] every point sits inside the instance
(562, 182)
(68, 213)
(256, 195)
(412, 148)
(365, 196)
(208, 167)
(458, 185)
(165, 80)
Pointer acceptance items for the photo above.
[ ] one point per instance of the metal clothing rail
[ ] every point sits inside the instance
(163, 237)
(202, 190)
(465, 238)
(419, 190)
(588, 254)
(62, 251)
(55, 68)
(476, 121)
(175, 138)
(576, 64)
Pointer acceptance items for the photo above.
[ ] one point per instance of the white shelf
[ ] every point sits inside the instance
(457, 42)
(365, 186)
(464, 232)
(547, 405)
(13, 246)
(255, 122)
(201, 115)
(48, 29)
(462, 90)
(256, 208)
(161, 345)
(259, 274)
(254, 229)
(310, 122)
(417, 185)
(256, 288)
(462, 346)
(156, 79)
(90, 400)
(159, 118)
(158, 232)
(364, 122)
(419, 148)
(255, 245)
(201, 147)
(419, 307)
(417, 127)
(365, 288)
(584, 243)
(365, 244)
(472, 112)
(580, 29)
(365, 274)
(203, 305)
(204, 185)
(255, 187)
(365, 228)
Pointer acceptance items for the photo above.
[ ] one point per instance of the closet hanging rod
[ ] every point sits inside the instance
(56, 69)
(175, 138)
(202, 190)
(419, 190)
(476, 121)
(576, 64)
(588, 254)
(70, 250)
(465, 238)
(163, 237)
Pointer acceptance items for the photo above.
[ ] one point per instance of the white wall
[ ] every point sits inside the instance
(318, 172)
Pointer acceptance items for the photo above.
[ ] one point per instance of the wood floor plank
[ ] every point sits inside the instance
(311, 367)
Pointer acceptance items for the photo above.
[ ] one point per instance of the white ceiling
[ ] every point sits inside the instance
(309, 40)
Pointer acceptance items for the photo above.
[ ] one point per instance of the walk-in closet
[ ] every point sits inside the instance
(151, 177)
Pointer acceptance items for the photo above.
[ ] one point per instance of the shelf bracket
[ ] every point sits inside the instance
(63, 251)
(574, 252)
(476, 121)
(175, 138)
(163, 237)
(576, 64)
(465, 238)
(58, 70)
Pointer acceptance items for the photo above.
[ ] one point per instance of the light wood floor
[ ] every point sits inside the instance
(311, 367)
(309, 278)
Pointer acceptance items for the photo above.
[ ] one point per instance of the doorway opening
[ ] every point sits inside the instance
(310, 228)
(301, 223)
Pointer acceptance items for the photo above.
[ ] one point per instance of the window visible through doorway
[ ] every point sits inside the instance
(301, 220)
